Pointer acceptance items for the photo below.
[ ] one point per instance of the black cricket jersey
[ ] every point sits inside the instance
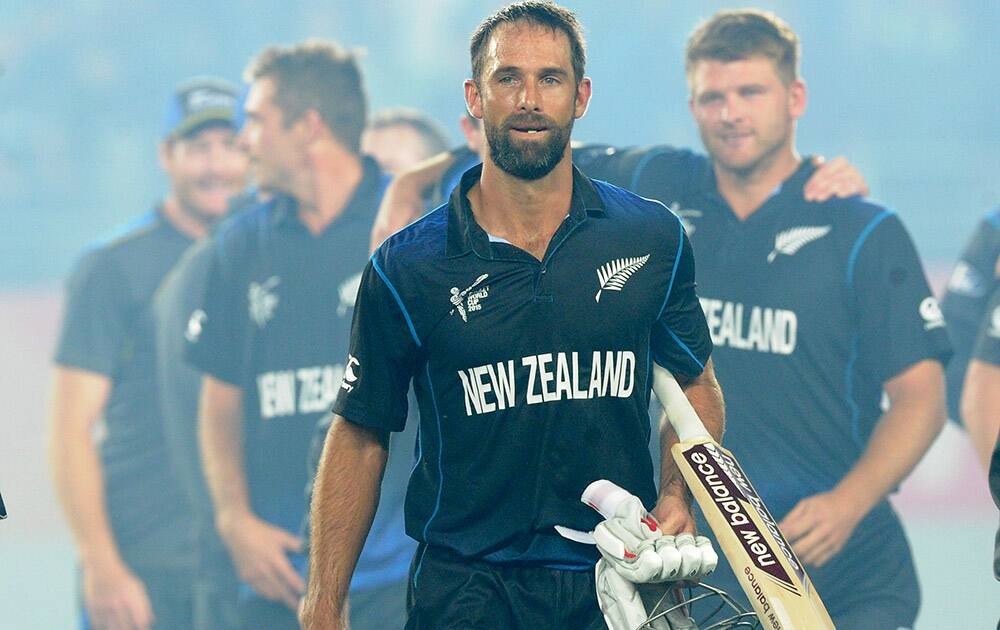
(532, 377)
(811, 307)
(987, 348)
(275, 322)
(965, 302)
(107, 329)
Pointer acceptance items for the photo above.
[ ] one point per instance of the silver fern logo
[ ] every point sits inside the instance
(791, 241)
(614, 274)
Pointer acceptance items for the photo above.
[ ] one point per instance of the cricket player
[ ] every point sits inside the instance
(125, 505)
(526, 312)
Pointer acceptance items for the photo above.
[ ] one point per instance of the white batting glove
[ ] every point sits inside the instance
(632, 543)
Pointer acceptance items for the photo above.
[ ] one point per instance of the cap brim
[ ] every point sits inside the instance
(218, 115)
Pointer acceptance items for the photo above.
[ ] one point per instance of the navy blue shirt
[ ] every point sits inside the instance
(275, 323)
(812, 307)
(107, 329)
(532, 377)
(964, 304)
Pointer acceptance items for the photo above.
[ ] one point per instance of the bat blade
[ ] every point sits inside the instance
(773, 578)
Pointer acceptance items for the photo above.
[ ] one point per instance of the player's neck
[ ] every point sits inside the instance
(326, 187)
(525, 213)
(746, 190)
(187, 222)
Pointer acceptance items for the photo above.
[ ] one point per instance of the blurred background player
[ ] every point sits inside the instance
(124, 505)
(815, 309)
(965, 305)
(400, 137)
(273, 331)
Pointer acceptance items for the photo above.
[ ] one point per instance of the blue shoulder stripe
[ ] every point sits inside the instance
(856, 250)
(399, 300)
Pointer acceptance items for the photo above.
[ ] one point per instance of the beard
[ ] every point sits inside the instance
(525, 159)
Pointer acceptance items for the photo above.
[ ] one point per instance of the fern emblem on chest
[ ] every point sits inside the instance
(790, 241)
(613, 274)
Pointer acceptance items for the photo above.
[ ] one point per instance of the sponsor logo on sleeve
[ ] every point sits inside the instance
(613, 274)
(966, 280)
(350, 375)
(790, 241)
(994, 330)
(931, 313)
(195, 325)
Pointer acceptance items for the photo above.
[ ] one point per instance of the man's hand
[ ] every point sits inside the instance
(673, 511)
(115, 598)
(820, 525)
(836, 178)
(259, 552)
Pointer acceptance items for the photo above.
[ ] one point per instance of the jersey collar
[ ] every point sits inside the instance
(466, 235)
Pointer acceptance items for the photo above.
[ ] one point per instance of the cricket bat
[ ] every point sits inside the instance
(773, 578)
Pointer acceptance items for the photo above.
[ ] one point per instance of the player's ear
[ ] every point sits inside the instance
(311, 126)
(797, 98)
(473, 99)
(584, 90)
(164, 154)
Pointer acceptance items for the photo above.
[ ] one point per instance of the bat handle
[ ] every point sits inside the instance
(680, 413)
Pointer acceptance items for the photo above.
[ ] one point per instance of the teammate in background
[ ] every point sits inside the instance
(272, 333)
(981, 394)
(426, 185)
(400, 137)
(481, 304)
(814, 309)
(975, 278)
(124, 505)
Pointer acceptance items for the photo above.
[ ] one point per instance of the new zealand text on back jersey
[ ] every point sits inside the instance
(532, 377)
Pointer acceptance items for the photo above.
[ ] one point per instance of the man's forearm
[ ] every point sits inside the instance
(705, 396)
(220, 436)
(345, 497)
(981, 407)
(901, 437)
(77, 400)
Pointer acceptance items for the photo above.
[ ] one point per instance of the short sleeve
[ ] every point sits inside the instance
(97, 317)
(680, 338)
(384, 354)
(216, 343)
(900, 320)
(987, 347)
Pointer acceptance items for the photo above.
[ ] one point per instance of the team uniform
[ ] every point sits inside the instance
(987, 349)
(108, 330)
(175, 308)
(275, 322)
(811, 307)
(533, 380)
(964, 304)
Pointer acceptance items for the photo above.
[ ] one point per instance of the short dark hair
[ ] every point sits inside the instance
(321, 75)
(433, 135)
(536, 12)
(744, 33)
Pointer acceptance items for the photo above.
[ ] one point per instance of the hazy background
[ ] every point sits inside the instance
(909, 91)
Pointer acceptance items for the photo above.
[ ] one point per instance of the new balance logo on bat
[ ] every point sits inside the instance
(613, 275)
